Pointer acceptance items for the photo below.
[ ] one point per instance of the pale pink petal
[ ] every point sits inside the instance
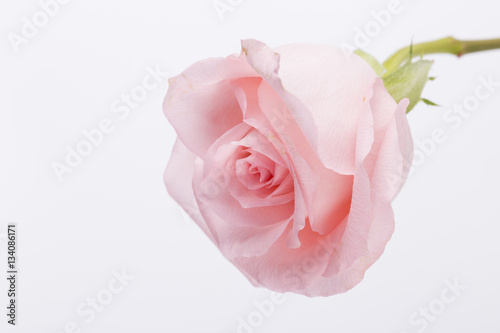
(326, 194)
(234, 237)
(284, 269)
(200, 103)
(178, 178)
(355, 237)
(333, 86)
(405, 141)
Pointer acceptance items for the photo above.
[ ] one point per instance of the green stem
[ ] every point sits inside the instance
(445, 45)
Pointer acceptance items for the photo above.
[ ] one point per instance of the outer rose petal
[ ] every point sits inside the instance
(178, 179)
(200, 103)
(333, 88)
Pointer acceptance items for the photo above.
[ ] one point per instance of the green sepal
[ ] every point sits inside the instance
(408, 81)
(429, 102)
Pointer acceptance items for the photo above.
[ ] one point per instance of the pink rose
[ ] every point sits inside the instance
(288, 160)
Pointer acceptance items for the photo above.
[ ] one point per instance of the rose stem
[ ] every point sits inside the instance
(445, 45)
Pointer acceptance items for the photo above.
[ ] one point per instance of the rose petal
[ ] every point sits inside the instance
(333, 87)
(200, 103)
(178, 178)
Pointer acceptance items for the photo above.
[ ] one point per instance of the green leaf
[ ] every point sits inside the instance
(408, 81)
(377, 67)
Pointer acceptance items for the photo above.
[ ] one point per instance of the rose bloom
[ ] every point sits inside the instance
(288, 160)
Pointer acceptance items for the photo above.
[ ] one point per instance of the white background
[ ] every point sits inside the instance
(113, 212)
